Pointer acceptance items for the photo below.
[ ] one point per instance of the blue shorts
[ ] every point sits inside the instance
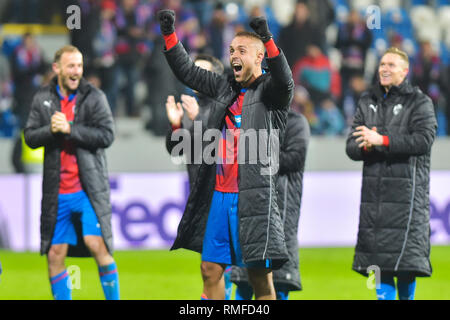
(221, 241)
(71, 203)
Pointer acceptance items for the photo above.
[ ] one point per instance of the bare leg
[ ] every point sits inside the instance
(55, 258)
(262, 283)
(97, 247)
(213, 281)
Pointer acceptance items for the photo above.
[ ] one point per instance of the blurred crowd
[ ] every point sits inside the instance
(332, 46)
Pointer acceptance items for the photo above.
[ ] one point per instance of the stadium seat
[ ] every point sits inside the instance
(444, 17)
(361, 5)
(380, 46)
(418, 2)
(444, 53)
(398, 20)
(429, 32)
(441, 3)
(387, 5)
(446, 37)
(410, 46)
(422, 16)
(342, 10)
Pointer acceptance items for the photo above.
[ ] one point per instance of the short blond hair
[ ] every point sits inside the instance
(254, 37)
(61, 51)
(400, 53)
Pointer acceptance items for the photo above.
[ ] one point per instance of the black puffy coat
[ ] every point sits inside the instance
(394, 225)
(92, 131)
(265, 111)
(289, 188)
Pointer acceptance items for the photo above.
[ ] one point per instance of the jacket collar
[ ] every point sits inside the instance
(83, 88)
(237, 86)
(404, 88)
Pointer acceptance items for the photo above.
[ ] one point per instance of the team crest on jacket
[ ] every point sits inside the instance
(397, 109)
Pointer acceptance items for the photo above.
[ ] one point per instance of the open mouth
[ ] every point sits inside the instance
(73, 80)
(237, 66)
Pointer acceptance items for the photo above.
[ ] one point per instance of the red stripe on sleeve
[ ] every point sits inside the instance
(272, 49)
(386, 141)
(171, 40)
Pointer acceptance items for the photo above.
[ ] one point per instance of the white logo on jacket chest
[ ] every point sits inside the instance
(397, 109)
(373, 107)
(48, 103)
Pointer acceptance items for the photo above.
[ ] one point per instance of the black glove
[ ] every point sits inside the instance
(259, 25)
(166, 20)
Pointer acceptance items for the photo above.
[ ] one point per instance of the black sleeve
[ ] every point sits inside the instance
(100, 132)
(295, 145)
(281, 84)
(174, 137)
(422, 126)
(37, 132)
(353, 151)
(196, 78)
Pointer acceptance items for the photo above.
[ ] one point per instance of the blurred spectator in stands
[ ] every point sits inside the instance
(131, 48)
(202, 9)
(104, 42)
(429, 74)
(314, 72)
(161, 82)
(24, 11)
(187, 26)
(28, 70)
(356, 86)
(8, 122)
(221, 32)
(219, 23)
(258, 8)
(28, 67)
(331, 122)
(160, 79)
(353, 41)
(93, 78)
(322, 14)
(324, 118)
(83, 38)
(303, 104)
(301, 32)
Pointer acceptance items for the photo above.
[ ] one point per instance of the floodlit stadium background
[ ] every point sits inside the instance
(148, 190)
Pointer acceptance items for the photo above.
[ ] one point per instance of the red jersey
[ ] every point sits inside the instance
(227, 168)
(69, 177)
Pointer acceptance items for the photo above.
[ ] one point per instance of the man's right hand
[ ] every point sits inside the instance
(59, 123)
(190, 105)
(166, 20)
(174, 111)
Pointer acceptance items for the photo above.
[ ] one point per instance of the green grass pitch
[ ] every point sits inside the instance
(159, 274)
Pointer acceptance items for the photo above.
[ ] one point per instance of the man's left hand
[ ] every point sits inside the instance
(259, 25)
(59, 123)
(368, 137)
